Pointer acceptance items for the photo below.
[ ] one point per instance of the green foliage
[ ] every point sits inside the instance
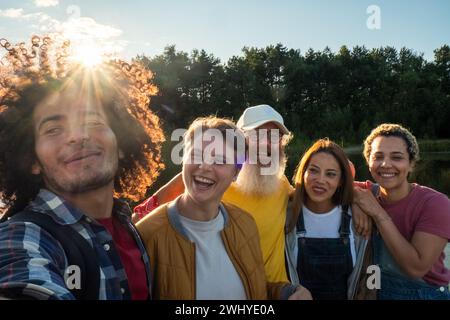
(339, 95)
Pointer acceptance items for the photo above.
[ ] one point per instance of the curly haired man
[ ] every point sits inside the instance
(72, 142)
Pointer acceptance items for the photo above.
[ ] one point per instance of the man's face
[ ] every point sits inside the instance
(265, 147)
(76, 149)
(262, 177)
(265, 140)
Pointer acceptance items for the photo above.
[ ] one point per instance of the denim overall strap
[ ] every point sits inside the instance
(395, 284)
(344, 229)
(324, 264)
(301, 231)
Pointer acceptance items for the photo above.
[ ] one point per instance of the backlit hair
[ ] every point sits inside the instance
(29, 74)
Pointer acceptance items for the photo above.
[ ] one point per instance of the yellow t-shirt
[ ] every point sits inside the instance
(269, 213)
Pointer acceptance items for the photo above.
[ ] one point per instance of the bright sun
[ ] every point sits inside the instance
(89, 56)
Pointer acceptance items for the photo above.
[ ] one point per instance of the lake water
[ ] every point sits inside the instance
(433, 170)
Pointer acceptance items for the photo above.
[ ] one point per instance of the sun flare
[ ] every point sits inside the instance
(89, 56)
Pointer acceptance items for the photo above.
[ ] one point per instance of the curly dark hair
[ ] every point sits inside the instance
(393, 130)
(27, 76)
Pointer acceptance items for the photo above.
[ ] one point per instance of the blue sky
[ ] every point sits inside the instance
(224, 27)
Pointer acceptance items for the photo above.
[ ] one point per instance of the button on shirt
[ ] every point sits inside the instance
(130, 256)
(31, 261)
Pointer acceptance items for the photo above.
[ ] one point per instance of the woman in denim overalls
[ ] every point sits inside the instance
(412, 221)
(320, 244)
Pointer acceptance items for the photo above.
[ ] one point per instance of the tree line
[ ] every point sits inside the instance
(341, 95)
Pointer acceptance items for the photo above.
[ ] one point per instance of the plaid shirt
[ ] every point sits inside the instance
(33, 263)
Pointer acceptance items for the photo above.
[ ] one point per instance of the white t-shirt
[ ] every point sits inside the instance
(326, 225)
(216, 276)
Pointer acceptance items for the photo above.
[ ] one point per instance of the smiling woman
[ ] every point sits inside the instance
(322, 248)
(413, 221)
(214, 246)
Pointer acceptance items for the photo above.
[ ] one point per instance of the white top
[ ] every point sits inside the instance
(326, 225)
(216, 276)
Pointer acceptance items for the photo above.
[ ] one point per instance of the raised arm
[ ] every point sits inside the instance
(416, 257)
(171, 190)
(168, 192)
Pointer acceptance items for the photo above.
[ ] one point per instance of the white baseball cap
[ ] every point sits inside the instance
(254, 117)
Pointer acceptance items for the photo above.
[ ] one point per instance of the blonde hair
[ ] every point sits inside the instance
(210, 122)
(220, 124)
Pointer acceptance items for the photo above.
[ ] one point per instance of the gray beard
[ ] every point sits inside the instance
(251, 181)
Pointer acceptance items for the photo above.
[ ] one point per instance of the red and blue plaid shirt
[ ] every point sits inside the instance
(33, 263)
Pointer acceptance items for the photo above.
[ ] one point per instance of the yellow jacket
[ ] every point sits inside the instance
(172, 255)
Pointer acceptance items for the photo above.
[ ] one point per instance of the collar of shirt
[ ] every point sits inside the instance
(65, 214)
